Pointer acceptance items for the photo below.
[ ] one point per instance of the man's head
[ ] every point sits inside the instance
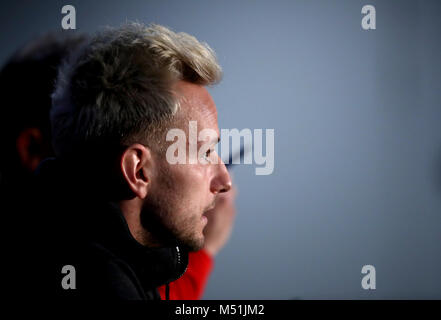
(26, 84)
(114, 103)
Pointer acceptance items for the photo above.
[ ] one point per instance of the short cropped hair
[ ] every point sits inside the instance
(118, 88)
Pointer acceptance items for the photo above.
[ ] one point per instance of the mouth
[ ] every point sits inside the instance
(203, 216)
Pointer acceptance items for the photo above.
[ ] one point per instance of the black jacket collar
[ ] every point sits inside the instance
(83, 219)
(154, 266)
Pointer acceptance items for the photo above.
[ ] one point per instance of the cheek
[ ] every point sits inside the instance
(185, 182)
(193, 186)
(194, 176)
(201, 182)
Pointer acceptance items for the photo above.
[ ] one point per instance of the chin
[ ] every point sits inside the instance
(196, 243)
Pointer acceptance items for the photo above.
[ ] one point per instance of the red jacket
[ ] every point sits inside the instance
(191, 285)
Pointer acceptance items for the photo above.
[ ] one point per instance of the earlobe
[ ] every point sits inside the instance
(29, 144)
(136, 163)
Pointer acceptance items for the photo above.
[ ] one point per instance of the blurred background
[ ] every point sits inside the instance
(356, 114)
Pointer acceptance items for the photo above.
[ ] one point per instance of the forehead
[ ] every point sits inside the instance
(196, 104)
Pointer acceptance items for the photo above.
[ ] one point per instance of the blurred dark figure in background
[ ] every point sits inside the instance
(26, 83)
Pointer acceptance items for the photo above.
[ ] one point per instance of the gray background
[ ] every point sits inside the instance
(356, 114)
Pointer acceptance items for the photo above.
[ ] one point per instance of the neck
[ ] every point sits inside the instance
(131, 210)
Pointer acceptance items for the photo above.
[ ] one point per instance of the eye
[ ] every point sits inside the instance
(207, 154)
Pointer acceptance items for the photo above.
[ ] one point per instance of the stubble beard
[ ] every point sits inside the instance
(166, 226)
(166, 219)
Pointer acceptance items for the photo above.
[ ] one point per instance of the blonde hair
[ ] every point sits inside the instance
(185, 56)
(118, 88)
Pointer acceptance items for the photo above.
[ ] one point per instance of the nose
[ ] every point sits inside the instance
(222, 180)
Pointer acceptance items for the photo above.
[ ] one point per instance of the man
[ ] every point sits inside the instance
(137, 215)
(26, 141)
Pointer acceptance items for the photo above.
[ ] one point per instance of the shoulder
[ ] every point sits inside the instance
(101, 275)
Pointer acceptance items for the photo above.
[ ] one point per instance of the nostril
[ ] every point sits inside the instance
(226, 188)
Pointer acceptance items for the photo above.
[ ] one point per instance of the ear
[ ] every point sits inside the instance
(136, 167)
(29, 144)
